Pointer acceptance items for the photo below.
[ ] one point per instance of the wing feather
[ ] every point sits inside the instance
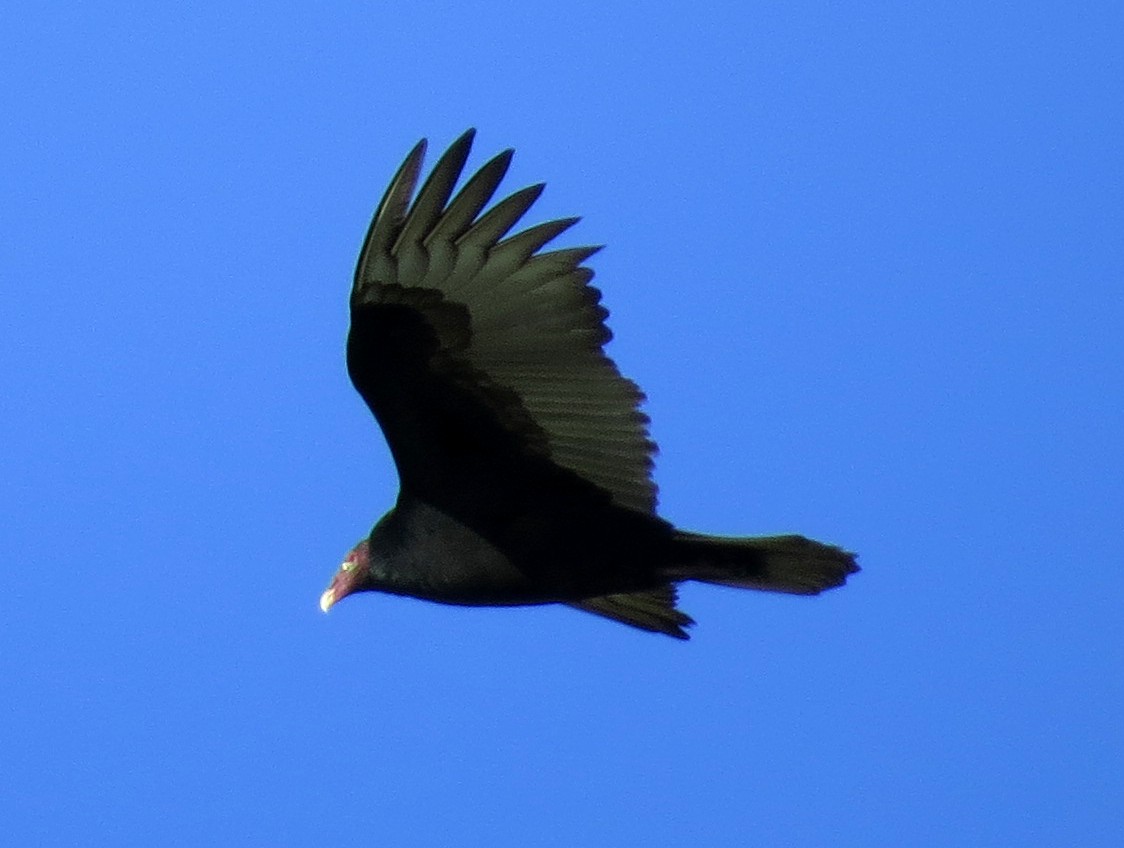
(654, 611)
(471, 199)
(434, 195)
(375, 258)
(518, 331)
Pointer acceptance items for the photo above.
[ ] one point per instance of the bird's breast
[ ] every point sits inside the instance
(425, 553)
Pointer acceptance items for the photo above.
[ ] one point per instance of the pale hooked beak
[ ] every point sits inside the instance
(348, 579)
(343, 584)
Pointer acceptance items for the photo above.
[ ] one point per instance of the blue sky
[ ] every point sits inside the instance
(866, 261)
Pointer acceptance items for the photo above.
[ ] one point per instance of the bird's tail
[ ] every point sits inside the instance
(771, 563)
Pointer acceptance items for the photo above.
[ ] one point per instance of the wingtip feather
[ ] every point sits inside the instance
(391, 211)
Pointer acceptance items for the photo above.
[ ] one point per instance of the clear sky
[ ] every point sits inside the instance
(866, 261)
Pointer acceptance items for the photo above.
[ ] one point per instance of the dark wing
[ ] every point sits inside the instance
(653, 610)
(466, 342)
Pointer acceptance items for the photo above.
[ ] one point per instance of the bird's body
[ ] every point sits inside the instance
(524, 460)
(524, 556)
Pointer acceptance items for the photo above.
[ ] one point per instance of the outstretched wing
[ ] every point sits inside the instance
(469, 344)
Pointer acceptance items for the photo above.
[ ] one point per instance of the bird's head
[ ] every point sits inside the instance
(353, 574)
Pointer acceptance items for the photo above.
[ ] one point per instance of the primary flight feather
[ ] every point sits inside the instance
(524, 460)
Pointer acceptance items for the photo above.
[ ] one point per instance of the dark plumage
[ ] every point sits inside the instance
(524, 461)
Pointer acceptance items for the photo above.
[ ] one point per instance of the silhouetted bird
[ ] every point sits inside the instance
(525, 464)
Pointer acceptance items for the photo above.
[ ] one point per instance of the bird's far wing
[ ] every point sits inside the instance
(448, 312)
(654, 610)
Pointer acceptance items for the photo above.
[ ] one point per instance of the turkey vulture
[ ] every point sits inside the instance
(525, 463)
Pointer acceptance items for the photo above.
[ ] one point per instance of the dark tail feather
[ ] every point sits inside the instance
(771, 563)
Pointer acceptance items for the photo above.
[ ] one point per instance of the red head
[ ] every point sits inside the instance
(350, 578)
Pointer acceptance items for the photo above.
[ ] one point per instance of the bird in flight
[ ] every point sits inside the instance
(524, 460)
